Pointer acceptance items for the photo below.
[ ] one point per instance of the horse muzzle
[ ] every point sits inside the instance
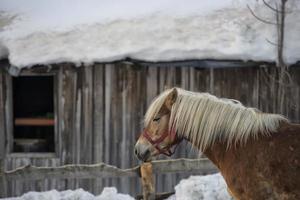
(142, 152)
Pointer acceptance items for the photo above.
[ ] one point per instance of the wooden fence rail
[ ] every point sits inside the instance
(102, 170)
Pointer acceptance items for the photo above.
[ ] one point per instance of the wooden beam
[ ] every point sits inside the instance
(202, 166)
(34, 122)
(102, 170)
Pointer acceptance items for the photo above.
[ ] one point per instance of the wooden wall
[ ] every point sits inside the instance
(99, 112)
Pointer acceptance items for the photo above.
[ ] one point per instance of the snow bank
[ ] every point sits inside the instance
(79, 194)
(44, 32)
(210, 187)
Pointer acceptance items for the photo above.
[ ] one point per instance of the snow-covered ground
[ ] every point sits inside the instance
(79, 194)
(43, 32)
(210, 187)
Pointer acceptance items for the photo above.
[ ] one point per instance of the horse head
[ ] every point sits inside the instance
(158, 136)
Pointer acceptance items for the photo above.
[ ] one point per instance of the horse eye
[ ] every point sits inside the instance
(156, 119)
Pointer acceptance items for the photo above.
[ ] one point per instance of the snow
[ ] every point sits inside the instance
(108, 193)
(209, 187)
(45, 32)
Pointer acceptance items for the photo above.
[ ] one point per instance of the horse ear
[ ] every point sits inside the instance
(171, 98)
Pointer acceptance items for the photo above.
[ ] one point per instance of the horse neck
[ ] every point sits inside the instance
(216, 153)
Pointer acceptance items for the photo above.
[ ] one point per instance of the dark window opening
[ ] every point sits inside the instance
(33, 106)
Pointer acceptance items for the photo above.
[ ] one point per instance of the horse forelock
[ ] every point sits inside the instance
(155, 107)
(205, 119)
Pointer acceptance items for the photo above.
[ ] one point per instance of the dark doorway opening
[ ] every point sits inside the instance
(33, 106)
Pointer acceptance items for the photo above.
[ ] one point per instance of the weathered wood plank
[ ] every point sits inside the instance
(3, 183)
(87, 115)
(103, 170)
(79, 171)
(124, 123)
(86, 131)
(107, 117)
(67, 82)
(152, 89)
(59, 115)
(77, 128)
(98, 121)
(8, 112)
(244, 87)
(67, 107)
(2, 118)
(201, 166)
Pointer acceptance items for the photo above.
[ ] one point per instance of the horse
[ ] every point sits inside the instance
(257, 153)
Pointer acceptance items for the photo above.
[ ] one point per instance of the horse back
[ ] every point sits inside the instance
(263, 168)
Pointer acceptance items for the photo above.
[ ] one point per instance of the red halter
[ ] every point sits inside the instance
(166, 151)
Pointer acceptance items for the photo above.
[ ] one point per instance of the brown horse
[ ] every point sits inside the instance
(257, 153)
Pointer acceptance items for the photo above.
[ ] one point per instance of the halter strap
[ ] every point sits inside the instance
(167, 150)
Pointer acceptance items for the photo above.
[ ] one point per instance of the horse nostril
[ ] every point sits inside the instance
(137, 154)
(146, 154)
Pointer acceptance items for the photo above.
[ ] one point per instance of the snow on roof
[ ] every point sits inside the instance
(45, 32)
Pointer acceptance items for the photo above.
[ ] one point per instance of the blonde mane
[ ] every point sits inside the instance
(205, 119)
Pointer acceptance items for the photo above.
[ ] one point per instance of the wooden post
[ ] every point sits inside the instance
(148, 181)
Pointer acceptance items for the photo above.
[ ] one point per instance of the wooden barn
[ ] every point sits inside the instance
(71, 115)
(61, 104)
